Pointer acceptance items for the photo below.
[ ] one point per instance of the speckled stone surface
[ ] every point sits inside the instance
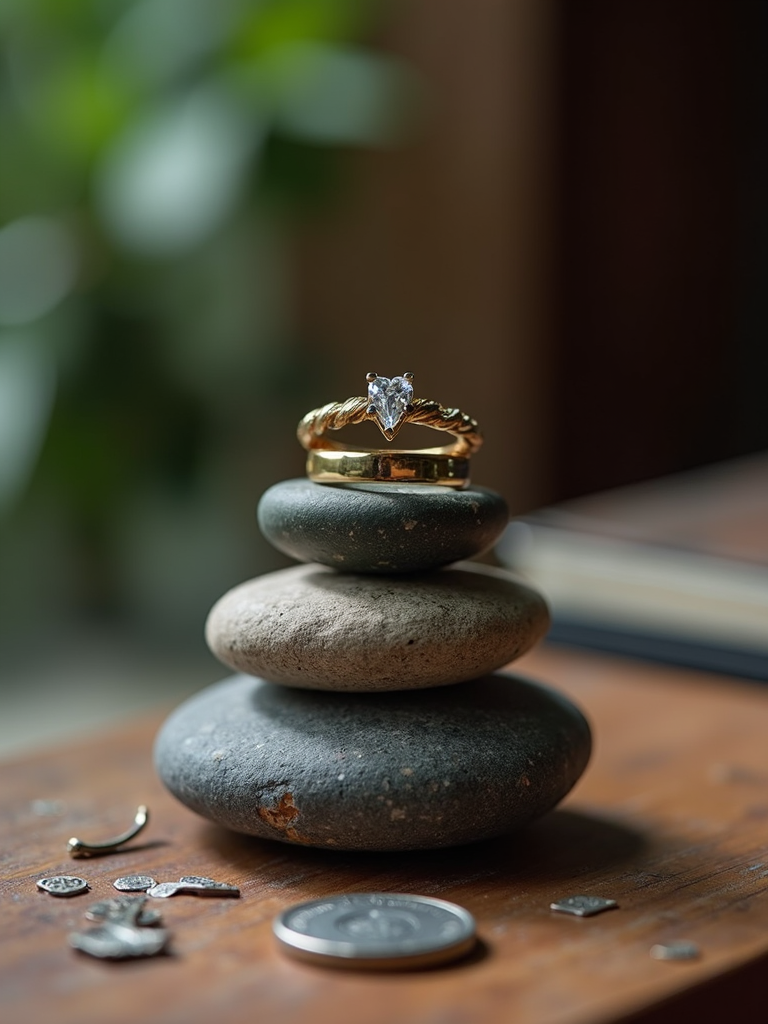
(310, 626)
(380, 528)
(391, 771)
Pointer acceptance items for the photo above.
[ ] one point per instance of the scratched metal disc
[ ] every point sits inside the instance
(134, 883)
(62, 885)
(376, 930)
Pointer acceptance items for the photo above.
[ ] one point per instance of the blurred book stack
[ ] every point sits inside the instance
(672, 570)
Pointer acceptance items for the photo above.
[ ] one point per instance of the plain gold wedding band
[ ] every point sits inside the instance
(421, 467)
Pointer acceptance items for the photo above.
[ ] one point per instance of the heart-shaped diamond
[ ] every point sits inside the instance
(389, 399)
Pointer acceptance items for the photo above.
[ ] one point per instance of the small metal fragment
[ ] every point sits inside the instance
(200, 880)
(129, 910)
(200, 884)
(681, 950)
(116, 942)
(79, 848)
(48, 808)
(134, 883)
(164, 889)
(122, 931)
(583, 906)
(62, 885)
(196, 885)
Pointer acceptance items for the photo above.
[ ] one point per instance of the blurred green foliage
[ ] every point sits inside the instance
(154, 153)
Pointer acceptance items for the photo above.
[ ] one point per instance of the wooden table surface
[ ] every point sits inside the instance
(670, 819)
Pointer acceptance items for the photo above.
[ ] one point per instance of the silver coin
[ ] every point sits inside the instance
(376, 930)
(62, 885)
(583, 906)
(134, 883)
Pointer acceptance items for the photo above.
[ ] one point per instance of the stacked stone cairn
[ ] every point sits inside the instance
(368, 711)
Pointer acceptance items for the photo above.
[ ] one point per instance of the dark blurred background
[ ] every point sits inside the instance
(216, 215)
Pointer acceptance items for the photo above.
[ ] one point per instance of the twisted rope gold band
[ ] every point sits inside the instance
(312, 429)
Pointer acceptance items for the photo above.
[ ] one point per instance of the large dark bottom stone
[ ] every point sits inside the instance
(386, 771)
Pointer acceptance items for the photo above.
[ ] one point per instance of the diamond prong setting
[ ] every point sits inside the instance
(389, 401)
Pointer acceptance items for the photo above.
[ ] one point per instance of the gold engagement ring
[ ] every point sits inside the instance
(389, 404)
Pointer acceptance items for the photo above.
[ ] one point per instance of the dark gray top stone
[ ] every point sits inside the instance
(380, 528)
(387, 771)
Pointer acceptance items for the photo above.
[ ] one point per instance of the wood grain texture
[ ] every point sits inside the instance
(670, 819)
